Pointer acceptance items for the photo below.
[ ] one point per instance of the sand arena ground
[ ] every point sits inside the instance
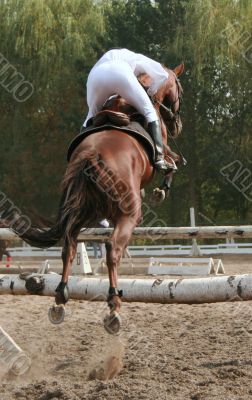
(174, 352)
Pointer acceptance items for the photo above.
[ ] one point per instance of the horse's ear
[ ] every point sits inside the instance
(179, 69)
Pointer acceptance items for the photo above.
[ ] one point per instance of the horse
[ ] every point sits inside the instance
(103, 179)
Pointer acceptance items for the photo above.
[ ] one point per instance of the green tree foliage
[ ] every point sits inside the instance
(218, 31)
(214, 40)
(54, 44)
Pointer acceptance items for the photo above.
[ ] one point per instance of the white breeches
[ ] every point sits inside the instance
(117, 77)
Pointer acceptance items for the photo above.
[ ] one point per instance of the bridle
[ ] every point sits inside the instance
(173, 115)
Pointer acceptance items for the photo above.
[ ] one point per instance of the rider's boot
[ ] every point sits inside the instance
(161, 164)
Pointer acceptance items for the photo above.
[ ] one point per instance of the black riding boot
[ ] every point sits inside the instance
(154, 130)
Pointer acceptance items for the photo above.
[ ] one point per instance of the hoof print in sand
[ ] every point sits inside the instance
(106, 369)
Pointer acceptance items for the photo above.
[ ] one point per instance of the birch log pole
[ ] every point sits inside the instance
(194, 290)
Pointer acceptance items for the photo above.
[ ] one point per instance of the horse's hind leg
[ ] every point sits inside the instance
(57, 313)
(68, 254)
(115, 247)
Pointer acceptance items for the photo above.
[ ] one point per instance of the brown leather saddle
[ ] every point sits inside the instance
(133, 129)
(117, 114)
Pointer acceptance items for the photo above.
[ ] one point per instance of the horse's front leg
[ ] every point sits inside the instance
(114, 254)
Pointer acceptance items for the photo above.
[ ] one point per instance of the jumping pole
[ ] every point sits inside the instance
(160, 233)
(194, 290)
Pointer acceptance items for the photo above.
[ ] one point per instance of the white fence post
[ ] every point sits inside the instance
(195, 250)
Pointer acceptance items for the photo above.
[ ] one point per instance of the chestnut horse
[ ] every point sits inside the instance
(103, 179)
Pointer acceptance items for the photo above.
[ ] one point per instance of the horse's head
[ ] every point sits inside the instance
(168, 100)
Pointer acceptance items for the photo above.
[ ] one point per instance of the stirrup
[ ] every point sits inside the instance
(163, 165)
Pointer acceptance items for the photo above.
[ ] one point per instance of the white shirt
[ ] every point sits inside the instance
(139, 64)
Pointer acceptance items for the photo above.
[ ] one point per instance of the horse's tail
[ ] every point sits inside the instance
(83, 203)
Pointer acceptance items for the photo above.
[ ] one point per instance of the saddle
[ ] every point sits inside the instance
(117, 114)
(133, 129)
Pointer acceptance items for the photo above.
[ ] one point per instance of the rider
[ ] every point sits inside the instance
(116, 72)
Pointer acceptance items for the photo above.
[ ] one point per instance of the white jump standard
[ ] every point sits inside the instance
(185, 266)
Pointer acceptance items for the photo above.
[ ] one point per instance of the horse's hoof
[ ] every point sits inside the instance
(157, 196)
(56, 314)
(62, 293)
(20, 365)
(112, 323)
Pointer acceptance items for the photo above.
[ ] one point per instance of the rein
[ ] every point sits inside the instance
(172, 116)
(184, 161)
(169, 111)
